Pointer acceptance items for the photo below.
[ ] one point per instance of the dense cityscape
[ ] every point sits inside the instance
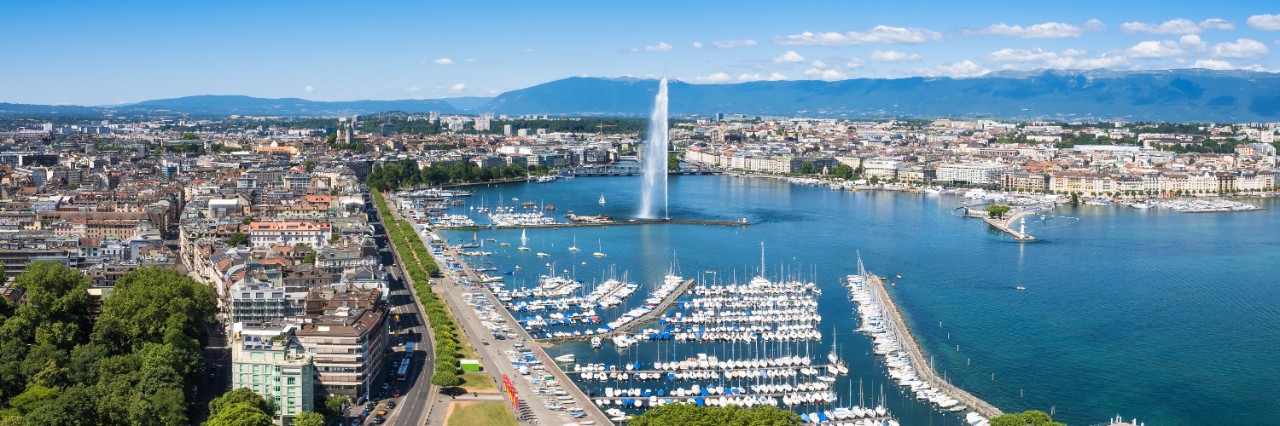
(694, 214)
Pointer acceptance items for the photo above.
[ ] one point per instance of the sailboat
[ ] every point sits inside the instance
(524, 240)
(602, 199)
(601, 252)
(574, 248)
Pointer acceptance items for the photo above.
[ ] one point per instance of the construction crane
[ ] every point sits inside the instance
(601, 126)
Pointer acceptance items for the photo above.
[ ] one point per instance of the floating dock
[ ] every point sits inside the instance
(918, 359)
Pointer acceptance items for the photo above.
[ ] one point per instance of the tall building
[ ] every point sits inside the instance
(484, 122)
(506, 130)
(344, 331)
(271, 362)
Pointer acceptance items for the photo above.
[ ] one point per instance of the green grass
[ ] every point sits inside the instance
(477, 381)
(481, 413)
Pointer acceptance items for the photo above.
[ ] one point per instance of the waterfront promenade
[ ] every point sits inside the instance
(922, 367)
(493, 352)
(633, 324)
(605, 223)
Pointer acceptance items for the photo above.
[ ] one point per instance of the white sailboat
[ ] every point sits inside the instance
(601, 252)
(602, 199)
(574, 248)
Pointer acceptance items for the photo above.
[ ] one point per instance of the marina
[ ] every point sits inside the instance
(954, 287)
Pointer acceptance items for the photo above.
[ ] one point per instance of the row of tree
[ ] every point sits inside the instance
(137, 363)
(407, 174)
(692, 415)
(420, 267)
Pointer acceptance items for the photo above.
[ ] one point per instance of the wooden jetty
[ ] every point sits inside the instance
(920, 362)
(633, 324)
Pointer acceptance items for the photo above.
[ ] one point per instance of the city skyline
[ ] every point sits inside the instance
(329, 51)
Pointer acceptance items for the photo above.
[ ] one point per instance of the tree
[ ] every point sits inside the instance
(189, 137)
(692, 415)
(673, 161)
(236, 397)
(310, 258)
(445, 377)
(308, 419)
(806, 168)
(240, 414)
(1026, 418)
(237, 239)
(309, 165)
(997, 211)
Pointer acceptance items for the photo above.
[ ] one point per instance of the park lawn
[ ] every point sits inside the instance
(476, 381)
(480, 413)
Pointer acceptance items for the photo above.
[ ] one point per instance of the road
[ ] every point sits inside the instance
(415, 391)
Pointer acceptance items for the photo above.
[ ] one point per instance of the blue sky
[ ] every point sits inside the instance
(99, 53)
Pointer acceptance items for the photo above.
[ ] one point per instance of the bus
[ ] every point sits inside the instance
(403, 371)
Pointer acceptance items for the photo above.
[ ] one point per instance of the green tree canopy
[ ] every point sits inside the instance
(692, 415)
(308, 419)
(997, 211)
(1026, 418)
(237, 239)
(238, 396)
(240, 414)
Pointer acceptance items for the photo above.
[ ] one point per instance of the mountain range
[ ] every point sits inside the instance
(1170, 95)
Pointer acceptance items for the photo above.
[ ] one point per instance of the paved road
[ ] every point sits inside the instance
(415, 390)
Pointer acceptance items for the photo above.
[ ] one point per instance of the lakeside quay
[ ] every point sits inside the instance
(922, 367)
(492, 352)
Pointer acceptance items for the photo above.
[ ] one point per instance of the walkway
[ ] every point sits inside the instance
(1007, 225)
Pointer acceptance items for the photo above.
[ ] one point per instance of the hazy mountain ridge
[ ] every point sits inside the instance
(1169, 95)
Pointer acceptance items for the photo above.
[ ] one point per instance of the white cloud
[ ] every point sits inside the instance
(660, 47)
(1191, 42)
(878, 34)
(819, 64)
(894, 56)
(457, 87)
(719, 77)
(527, 50)
(827, 74)
(1032, 55)
(443, 61)
(470, 60)
(791, 57)
(1213, 64)
(1095, 24)
(414, 89)
(1242, 49)
(1173, 26)
(757, 77)
(854, 63)
(734, 44)
(308, 88)
(956, 70)
(1265, 22)
(1104, 61)
(1045, 30)
(1217, 24)
(1155, 50)
(697, 45)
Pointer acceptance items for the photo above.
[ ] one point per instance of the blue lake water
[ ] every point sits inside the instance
(1169, 317)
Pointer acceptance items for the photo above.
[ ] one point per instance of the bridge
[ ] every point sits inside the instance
(657, 311)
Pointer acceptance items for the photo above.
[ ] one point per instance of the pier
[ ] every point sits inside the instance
(1006, 225)
(923, 369)
(633, 324)
(608, 223)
